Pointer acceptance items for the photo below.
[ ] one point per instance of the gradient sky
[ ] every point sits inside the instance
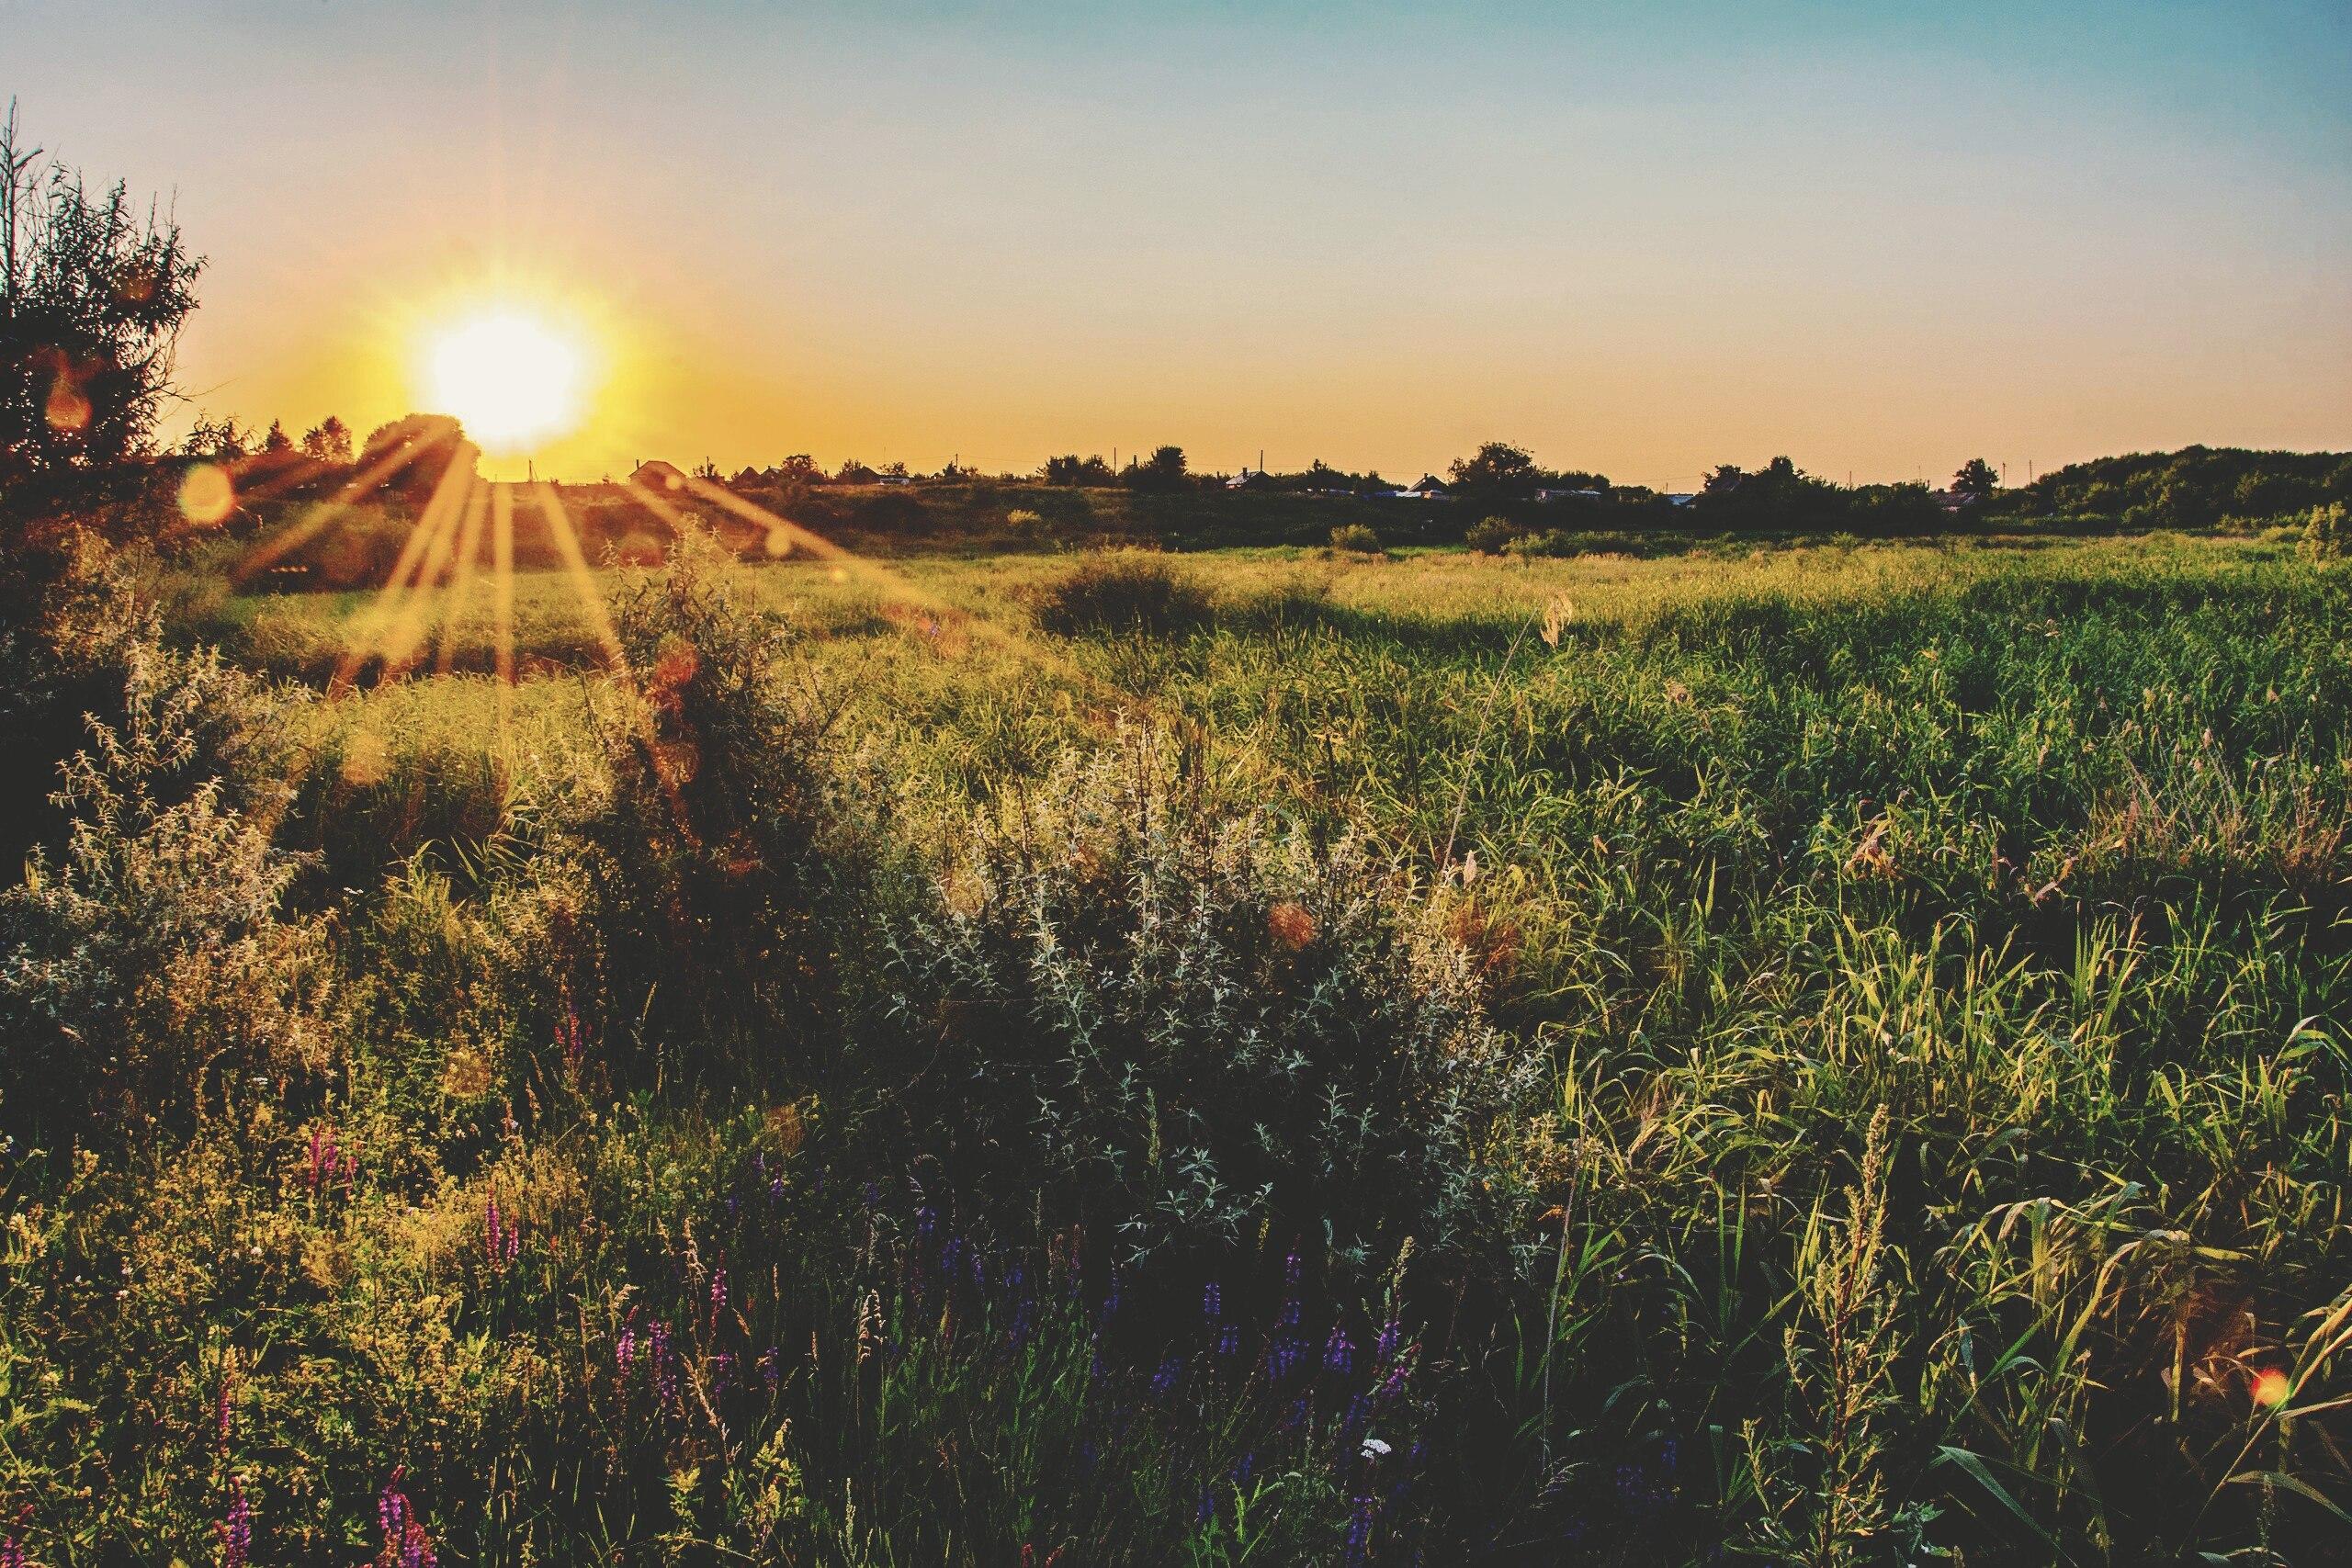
(1880, 238)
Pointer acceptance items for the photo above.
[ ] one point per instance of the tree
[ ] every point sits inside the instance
(854, 472)
(1497, 472)
(276, 443)
(329, 441)
(1073, 470)
(1976, 480)
(800, 469)
(219, 440)
(92, 299)
(1163, 470)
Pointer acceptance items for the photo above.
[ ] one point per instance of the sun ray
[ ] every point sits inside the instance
(502, 592)
(372, 624)
(302, 530)
(1020, 647)
(575, 566)
(461, 587)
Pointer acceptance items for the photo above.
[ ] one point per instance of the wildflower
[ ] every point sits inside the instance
(1110, 1298)
(1164, 1381)
(717, 1296)
(1374, 1450)
(235, 1530)
(1211, 1303)
(625, 1349)
(1339, 1352)
(406, 1544)
(1359, 1541)
(1228, 1341)
(501, 1235)
(1383, 1349)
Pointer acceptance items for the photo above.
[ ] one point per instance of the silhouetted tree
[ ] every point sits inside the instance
(1163, 470)
(1073, 470)
(1498, 472)
(92, 298)
(221, 441)
(277, 441)
(1976, 480)
(329, 441)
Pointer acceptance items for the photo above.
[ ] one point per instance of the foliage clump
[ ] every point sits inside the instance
(721, 845)
(1491, 536)
(1194, 1025)
(1121, 591)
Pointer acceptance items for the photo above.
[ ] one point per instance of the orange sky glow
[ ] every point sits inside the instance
(1643, 240)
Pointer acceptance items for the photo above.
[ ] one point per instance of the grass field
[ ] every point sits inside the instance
(1828, 1054)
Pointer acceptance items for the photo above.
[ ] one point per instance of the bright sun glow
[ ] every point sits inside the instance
(512, 376)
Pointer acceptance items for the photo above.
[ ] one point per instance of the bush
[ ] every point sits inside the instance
(1356, 538)
(1183, 1025)
(146, 973)
(1551, 542)
(2328, 533)
(1492, 535)
(719, 850)
(1123, 590)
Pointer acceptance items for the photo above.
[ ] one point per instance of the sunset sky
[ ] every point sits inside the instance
(1645, 238)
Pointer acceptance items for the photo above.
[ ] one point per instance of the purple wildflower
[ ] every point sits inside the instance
(236, 1530)
(1211, 1303)
(1391, 1333)
(1359, 1542)
(1339, 1352)
(501, 1235)
(1228, 1341)
(405, 1543)
(717, 1296)
(1164, 1381)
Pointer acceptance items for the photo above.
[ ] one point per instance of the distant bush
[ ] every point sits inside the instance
(1136, 591)
(1023, 524)
(1551, 542)
(1356, 538)
(2327, 534)
(1491, 536)
(1190, 1025)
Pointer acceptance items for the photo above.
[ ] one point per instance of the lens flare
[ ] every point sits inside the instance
(207, 494)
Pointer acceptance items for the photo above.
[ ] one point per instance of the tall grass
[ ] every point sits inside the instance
(1827, 1055)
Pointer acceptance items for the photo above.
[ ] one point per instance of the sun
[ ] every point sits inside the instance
(513, 374)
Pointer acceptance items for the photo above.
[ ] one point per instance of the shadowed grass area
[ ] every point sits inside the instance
(1823, 1054)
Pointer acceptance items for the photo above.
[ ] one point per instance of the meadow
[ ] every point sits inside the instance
(1824, 1053)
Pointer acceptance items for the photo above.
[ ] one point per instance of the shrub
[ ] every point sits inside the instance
(1356, 538)
(1124, 591)
(718, 849)
(145, 972)
(1551, 542)
(2327, 534)
(1491, 536)
(1187, 1025)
